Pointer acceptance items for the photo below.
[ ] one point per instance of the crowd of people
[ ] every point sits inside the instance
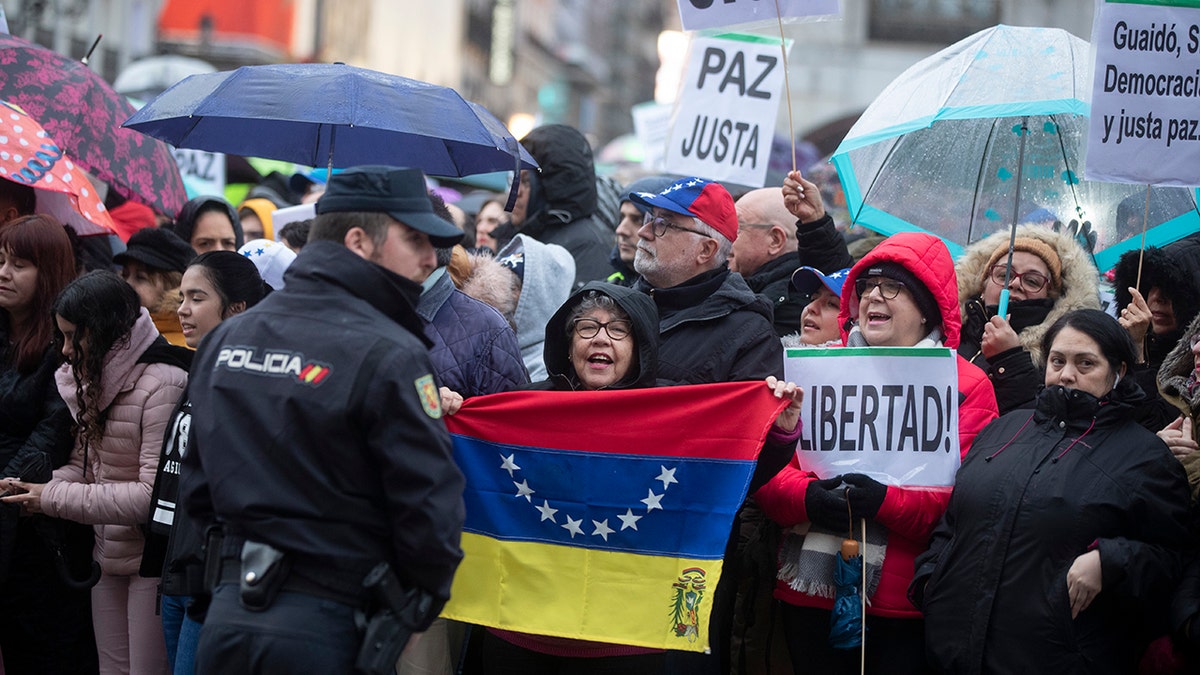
(210, 439)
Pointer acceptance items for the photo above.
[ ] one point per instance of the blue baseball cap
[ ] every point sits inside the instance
(808, 279)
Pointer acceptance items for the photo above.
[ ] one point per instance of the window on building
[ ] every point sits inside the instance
(938, 21)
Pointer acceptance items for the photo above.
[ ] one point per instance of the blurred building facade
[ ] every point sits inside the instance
(578, 62)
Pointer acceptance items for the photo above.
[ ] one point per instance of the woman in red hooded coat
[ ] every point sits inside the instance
(902, 294)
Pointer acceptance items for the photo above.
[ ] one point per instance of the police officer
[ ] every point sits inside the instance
(317, 443)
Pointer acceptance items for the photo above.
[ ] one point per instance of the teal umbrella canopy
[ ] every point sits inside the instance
(945, 146)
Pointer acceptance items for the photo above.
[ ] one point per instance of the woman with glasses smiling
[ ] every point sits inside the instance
(1051, 276)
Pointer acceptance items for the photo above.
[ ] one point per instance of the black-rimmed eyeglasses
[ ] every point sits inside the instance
(888, 288)
(590, 328)
(660, 225)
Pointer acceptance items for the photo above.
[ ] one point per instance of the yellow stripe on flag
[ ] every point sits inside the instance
(573, 592)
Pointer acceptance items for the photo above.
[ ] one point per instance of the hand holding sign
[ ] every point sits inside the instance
(802, 198)
(825, 504)
(866, 495)
(789, 416)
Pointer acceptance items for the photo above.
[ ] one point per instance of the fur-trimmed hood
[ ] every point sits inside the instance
(490, 282)
(1080, 280)
(1164, 269)
(1173, 376)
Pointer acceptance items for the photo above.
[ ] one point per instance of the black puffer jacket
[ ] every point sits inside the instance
(562, 205)
(1035, 491)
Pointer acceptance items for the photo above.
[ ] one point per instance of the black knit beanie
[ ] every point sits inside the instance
(923, 298)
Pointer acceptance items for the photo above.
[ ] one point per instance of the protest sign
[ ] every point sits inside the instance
(652, 126)
(725, 117)
(1145, 122)
(701, 14)
(888, 412)
(203, 172)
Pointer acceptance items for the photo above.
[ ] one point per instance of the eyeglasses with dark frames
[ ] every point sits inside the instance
(660, 225)
(590, 328)
(888, 288)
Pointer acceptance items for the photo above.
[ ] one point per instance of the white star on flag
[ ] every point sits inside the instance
(652, 501)
(547, 512)
(667, 476)
(602, 528)
(572, 526)
(629, 520)
(509, 465)
(523, 490)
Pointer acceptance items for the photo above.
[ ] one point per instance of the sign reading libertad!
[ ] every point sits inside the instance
(1145, 117)
(891, 413)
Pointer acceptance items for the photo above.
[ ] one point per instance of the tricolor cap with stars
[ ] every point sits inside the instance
(271, 258)
(807, 280)
(706, 200)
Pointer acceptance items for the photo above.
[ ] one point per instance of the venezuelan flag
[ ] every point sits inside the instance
(603, 515)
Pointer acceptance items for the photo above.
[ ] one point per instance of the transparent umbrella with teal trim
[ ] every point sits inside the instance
(941, 150)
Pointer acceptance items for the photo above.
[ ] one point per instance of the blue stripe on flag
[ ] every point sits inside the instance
(655, 505)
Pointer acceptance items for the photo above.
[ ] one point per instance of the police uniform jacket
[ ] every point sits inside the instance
(316, 426)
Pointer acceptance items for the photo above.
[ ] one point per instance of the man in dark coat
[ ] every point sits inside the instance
(317, 439)
(558, 205)
(712, 328)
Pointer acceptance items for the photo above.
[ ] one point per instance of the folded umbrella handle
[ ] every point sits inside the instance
(1002, 310)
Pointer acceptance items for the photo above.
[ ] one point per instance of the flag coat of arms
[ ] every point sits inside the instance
(603, 515)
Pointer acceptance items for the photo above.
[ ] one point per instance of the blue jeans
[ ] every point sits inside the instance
(181, 632)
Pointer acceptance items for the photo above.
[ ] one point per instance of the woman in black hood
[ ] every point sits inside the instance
(606, 361)
(202, 223)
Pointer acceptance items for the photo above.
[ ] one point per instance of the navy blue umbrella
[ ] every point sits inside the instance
(332, 114)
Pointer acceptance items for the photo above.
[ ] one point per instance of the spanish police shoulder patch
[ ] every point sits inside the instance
(431, 400)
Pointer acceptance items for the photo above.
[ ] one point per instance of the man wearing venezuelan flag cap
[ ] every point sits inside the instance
(712, 328)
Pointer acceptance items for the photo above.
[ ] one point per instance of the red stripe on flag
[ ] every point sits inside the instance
(718, 421)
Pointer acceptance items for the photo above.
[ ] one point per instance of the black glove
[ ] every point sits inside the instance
(1082, 232)
(866, 495)
(825, 502)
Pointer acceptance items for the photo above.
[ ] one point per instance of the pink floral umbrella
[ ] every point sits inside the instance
(30, 157)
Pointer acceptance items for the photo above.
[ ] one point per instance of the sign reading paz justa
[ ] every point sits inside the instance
(1145, 121)
(725, 118)
(889, 413)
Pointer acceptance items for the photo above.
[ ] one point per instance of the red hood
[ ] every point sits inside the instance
(927, 257)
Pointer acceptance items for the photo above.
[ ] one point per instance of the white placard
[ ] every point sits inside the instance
(652, 126)
(700, 14)
(724, 120)
(1145, 117)
(889, 413)
(203, 172)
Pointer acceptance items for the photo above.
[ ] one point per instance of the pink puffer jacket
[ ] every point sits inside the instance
(113, 494)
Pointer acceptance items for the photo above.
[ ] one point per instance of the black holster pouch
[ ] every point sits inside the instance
(264, 569)
(394, 613)
(214, 536)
